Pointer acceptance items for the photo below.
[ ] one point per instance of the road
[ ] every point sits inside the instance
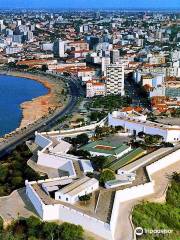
(45, 124)
(134, 92)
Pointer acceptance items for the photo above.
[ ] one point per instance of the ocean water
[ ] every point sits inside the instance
(13, 92)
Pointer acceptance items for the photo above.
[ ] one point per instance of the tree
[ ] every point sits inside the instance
(167, 144)
(82, 139)
(90, 174)
(152, 139)
(106, 175)
(17, 181)
(99, 162)
(176, 176)
(50, 230)
(98, 131)
(85, 198)
(34, 226)
(97, 116)
(1, 225)
(44, 68)
(70, 232)
(3, 172)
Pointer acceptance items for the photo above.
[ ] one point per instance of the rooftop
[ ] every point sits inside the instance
(149, 123)
(105, 147)
(78, 186)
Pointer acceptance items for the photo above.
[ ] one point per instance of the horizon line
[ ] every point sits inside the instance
(89, 8)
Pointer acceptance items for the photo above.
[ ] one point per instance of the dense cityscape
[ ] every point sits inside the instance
(96, 155)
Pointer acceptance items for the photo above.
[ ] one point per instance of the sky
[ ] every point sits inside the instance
(133, 4)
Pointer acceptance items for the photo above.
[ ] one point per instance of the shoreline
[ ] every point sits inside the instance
(41, 106)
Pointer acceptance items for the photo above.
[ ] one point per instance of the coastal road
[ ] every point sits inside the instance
(17, 139)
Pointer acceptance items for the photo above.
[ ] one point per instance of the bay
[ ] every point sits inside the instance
(13, 92)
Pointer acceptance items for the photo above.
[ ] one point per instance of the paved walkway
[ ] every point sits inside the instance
(124, 229)
(105, 205)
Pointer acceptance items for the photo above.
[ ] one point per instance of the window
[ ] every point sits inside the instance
(67, 199)
(59, 197)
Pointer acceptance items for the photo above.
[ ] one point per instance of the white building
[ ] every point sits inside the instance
(106, 148)
(54, 154)
(13, 50)
(105, 62)
(115, 79)
(78, 188)
(140, 124)
(94, 88)
(48, 46)
(50, 209)
(115, 56)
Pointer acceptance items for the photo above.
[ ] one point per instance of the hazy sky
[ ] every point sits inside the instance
(164, 4)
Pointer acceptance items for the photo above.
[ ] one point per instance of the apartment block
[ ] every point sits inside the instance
(115, 79)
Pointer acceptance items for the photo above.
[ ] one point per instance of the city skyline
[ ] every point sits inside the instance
(126, 4)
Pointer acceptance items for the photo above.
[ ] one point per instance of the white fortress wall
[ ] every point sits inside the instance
(67, 214)
(87, 127)
(164, 162)
(60, 212)
(57, 162)
(141, 190)
(35, 199)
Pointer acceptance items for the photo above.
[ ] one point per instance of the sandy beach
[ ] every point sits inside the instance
(39, 107)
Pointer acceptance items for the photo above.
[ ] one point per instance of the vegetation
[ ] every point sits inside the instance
(167, 144)
(152, 139)
(97, 116)
(106, 175)
(80, 153)
(176, 177)
(85, 198)
(176, 113)
(161, 216)
(44, 68)
(99, 162)
(90, 174)
(33, 229)
(110, 102)
(14, 170)
(106, 131)
(81, 140)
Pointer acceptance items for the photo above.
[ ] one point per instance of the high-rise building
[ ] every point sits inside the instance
(105, 62)
(115, 56)
(59, 48)
(114, 79)
(18, 38)
(93, 41)
(29, 36)
(19, 22)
